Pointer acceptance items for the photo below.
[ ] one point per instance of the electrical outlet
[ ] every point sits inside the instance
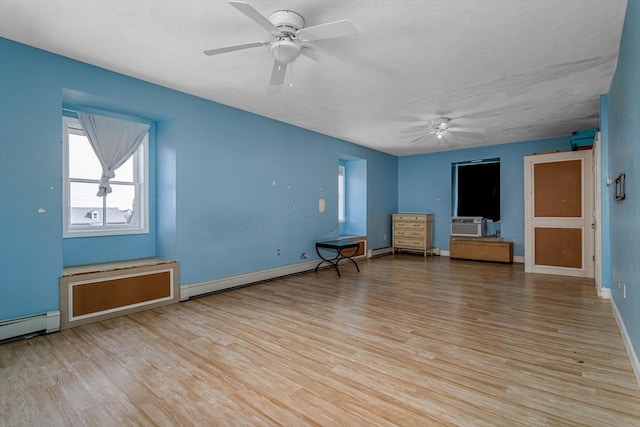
(385, 238)
(624, 290)
(515, 242)
(278, 252)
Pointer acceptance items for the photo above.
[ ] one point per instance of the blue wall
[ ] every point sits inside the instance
(231, 187)
(424, 185)
(624, 157)
(30, 178)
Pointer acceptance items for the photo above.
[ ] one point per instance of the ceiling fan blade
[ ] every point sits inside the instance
(277, 74)
(465, 130)
(418, 128)
(329, 30)
(256, 16)
(220, 50)
(419, 139)
(337, 66)
(311, 53)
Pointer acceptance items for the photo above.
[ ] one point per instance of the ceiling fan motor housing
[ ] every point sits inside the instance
(287, 21)
(441, 123)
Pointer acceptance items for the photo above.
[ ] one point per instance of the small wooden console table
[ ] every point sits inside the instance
(337, 246)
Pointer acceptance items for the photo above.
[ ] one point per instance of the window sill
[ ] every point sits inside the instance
(70, 234)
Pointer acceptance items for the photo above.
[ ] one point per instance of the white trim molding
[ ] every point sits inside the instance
(633, 357)
(201, 288)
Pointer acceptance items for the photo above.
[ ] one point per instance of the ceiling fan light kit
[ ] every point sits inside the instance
(285, 51)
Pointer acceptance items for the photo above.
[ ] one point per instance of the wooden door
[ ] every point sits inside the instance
(559, 214)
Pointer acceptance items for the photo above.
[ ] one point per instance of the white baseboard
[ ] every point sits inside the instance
(195, 289)
(379, 252)
(633, 357)
(444, 253)
(48, 322)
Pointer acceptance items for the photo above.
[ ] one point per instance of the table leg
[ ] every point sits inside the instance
(351, 259)
(336, 260)
(329, 261)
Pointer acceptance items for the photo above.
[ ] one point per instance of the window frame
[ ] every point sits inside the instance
(71, 125)
(342, 198)
(455, 182)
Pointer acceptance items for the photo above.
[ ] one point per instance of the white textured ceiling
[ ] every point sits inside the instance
(520, 69)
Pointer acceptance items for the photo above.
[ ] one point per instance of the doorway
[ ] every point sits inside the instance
(559, 222)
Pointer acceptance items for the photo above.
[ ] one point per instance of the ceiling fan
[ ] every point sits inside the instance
(441, 128)
(288, 37)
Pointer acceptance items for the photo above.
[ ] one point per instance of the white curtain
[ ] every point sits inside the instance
(113, 141)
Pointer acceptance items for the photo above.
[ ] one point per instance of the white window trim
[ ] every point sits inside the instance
(143, 188)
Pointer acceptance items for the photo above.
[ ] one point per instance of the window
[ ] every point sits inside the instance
(341, 194)
(476, 189)
(123, 211)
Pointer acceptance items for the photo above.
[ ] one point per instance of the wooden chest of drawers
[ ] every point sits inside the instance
(413, 232)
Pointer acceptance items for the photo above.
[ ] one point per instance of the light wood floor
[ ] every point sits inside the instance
(409, 341)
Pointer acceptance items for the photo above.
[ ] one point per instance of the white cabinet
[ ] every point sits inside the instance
(413, 232)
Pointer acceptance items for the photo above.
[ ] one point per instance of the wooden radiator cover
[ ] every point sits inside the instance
(102, 291)
(481, 249)
(362, 248)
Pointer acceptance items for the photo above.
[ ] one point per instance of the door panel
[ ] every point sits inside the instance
(558, 189)
(559, 214)
(559, 247)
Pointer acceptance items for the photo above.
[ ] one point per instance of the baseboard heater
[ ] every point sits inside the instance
(29, 325)
(379, 252)
(96, 292)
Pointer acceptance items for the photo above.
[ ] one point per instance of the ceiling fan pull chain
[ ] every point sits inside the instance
(291, 76)
(279, 66)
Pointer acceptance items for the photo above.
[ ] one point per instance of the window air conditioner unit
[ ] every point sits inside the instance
(468, 226)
